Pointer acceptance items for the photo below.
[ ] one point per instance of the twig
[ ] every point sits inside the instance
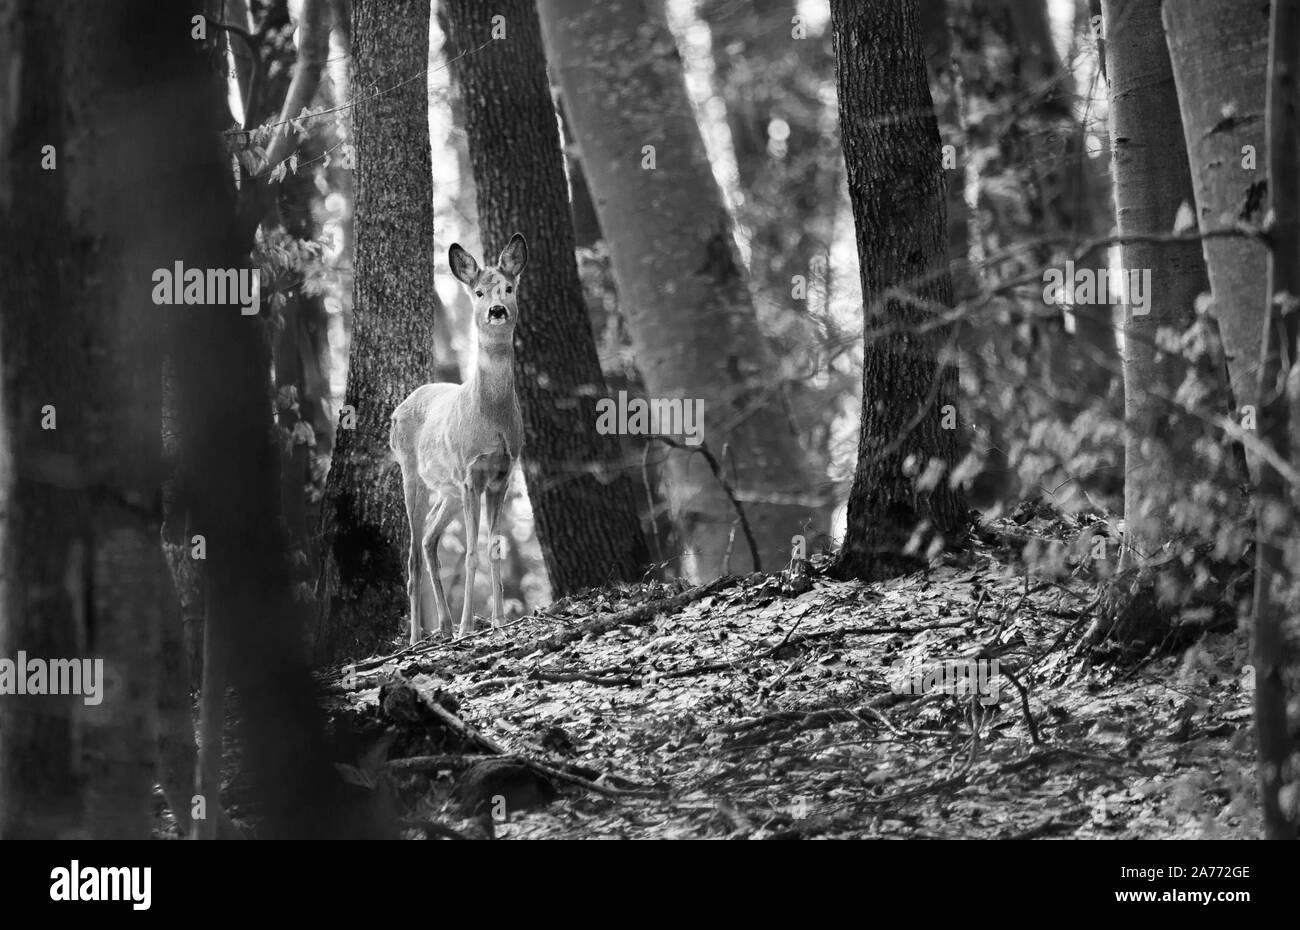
(1024, 704)
(703, 449)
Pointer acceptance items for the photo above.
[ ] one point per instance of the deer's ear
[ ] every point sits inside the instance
(462, 264)
(514, 256)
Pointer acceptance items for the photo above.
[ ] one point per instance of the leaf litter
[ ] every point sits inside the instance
(765, 707)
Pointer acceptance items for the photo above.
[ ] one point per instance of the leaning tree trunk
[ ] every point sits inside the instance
(1151, 183)
(1219, 51)
(392, 341)
(88, 202)
(579, 487)
(691, 320)
(908, 445)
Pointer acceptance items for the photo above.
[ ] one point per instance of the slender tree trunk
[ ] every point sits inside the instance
(579, 487)
(392, 342)
(892, 151)
(1275, 571)
(691, 320)
(1151, 183)
(1219, 51)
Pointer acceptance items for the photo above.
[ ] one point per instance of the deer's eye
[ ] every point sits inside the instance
(478, 293)
(509, 290)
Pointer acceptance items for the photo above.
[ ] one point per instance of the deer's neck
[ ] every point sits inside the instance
(492, 383)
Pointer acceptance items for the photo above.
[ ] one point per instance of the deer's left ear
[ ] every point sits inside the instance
(514, 256)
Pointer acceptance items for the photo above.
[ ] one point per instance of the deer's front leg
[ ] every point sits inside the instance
(471, 499)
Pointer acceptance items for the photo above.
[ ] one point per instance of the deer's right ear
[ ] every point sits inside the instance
(462, 264)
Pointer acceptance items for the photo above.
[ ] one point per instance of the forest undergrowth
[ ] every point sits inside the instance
(776, 706)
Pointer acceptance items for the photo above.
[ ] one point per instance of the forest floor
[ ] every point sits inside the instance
(765, 706)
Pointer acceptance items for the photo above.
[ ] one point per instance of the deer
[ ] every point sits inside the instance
(457, 444)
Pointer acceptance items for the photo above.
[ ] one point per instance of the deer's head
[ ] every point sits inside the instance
(492, 290)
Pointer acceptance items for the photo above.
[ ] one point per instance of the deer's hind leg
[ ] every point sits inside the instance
(417, 510)
(472, 500)
(440, 514)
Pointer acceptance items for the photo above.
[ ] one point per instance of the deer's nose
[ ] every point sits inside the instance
(498, 314)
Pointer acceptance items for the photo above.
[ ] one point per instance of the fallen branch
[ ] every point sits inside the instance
(633, 616)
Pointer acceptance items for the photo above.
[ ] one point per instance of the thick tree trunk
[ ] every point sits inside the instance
(1219, 51)
(254, 631)
(83, 575)
(1151, 183)
(579, 486)
(892, 152)
(392, 343)
(691, 321)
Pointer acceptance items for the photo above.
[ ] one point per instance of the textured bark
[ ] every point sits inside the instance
(1151, 182)
(692, 324)
(892, 152)
(579, 486)
(937, 35)
(392, 341)
(1276, 544)
(82, 573)
(1219, 51)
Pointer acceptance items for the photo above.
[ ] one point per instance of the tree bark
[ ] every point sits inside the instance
(363, 517)
(82, 573)
(1276, 546)
(892, 152)
(691, 321)
(1219, 52)
(579, 485)
(1152, 181)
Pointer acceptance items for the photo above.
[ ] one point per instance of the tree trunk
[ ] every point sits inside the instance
(579, 486)
(1275, 575)
(363, 517)
(1151, 182)
(83, 575)
(1219, 51)
(692, 323)
(892, 152)
(254, 630)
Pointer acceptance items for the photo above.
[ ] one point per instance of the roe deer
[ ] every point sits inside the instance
(457, 441)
